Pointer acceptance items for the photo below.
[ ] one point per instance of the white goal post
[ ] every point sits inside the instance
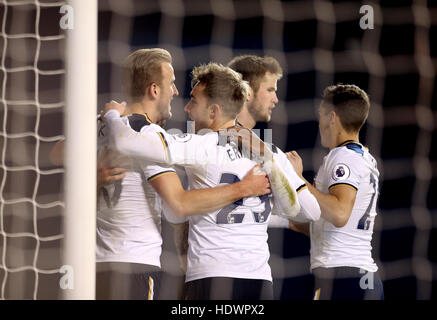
(80, 149)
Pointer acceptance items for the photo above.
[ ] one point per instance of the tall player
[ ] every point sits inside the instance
(346, 187)
(129, 211)
(228, 252)
(263, 74)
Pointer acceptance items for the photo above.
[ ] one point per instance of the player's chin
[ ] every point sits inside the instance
(266, 118)
(168, 114)
(323, 142)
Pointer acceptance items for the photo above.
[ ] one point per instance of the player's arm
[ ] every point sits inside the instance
(146, 145)
(278, 221)
(110, 167)
(106, 174)
(285, 183)
(190, 202)
(337, 205)
(57, 153)
(300, 227)
(310, 209)
(180, 237)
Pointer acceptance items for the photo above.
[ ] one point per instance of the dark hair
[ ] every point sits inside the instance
(350, 103)
(253, 68)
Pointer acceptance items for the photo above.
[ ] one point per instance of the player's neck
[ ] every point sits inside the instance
(245, 118)
(223, 124)
(342, 137)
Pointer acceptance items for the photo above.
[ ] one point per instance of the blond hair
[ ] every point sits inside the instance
(223, 86)
(142, 68)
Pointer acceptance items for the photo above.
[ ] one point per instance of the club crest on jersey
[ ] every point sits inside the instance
(340, 172)
(182, 137)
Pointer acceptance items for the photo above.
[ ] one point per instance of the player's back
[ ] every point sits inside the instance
(350, 165)
(232, 241)
(129, 211)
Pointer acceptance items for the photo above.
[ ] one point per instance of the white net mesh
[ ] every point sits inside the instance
(317, 42)
(31, 102)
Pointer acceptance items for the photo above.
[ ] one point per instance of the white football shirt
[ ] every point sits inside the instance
(232, 241)
(353, 166)
(129, 211)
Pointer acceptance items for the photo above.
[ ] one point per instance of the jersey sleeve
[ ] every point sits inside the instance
(285, 201)
(309, 207)
(343, 169)
(153, 144)
(282, 160)
(187, 150)
(155, 171)
(149, 144)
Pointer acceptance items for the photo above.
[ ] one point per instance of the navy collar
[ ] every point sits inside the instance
(346, 142)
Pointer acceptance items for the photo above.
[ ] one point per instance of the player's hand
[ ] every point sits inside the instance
(256, 182)
(296, 161)
(113, 105)
(252, 146)
(110, 167)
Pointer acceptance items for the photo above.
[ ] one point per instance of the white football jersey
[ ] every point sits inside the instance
(129, 211)
(351, 165)
(232, 241)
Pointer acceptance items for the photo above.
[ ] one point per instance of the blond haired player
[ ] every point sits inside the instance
(129, 211)
(228, 252)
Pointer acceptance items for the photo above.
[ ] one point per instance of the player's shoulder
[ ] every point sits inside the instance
(207, 138)
(138, 121)
(353, 150)
(352, 156)
(188, 138)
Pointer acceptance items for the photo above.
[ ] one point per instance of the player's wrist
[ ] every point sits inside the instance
(242, 189)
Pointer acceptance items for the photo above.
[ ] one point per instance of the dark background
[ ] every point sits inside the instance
(400, 131)
(318, 43)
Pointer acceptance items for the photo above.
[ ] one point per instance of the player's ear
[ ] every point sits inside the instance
(214, 110)
(153, 90)
(333, 117)
(250, 95)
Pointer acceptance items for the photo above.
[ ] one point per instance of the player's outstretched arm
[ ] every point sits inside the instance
(149, 146)
(337, 204)
(106, 173)
(186, 203)
(110, 167)
(284, 193)
(310, 209)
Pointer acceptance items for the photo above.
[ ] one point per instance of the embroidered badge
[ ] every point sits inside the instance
(182, 137)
